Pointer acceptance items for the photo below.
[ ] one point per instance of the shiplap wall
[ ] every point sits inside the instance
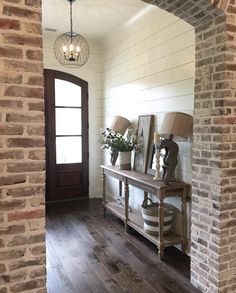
(91, 72)
(148, 68)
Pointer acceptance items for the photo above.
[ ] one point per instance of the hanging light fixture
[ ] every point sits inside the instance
(71, 48)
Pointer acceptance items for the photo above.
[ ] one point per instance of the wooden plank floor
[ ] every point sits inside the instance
(87, 253)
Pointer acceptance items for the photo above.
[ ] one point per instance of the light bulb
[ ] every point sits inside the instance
(77, 49)
(64, 49)
(71, 48)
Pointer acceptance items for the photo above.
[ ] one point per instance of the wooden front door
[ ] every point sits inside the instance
(66, 111)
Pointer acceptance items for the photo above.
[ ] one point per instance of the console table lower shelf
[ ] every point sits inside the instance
(136, 222)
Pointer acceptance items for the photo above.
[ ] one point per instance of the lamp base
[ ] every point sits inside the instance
(170, 159)
(157, 163)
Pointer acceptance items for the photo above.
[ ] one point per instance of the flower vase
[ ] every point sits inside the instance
(124, 160)
(114, 156)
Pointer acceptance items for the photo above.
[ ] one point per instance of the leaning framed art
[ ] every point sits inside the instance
(144, 138)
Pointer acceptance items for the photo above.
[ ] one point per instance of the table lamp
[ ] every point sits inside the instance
(119, 124)
(177, 126)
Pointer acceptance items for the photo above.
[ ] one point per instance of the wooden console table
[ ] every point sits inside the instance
(134, 219)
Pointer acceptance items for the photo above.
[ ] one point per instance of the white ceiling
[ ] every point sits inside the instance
(91, 18)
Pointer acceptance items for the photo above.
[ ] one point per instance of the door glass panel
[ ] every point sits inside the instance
(68, 121)
(67, 94)
(68, 150)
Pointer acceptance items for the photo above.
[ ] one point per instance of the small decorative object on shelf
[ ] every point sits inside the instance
(157, 156)
(121, 202)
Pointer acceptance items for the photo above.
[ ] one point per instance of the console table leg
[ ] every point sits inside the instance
(161, 223)
(126, 206)
(184, 220)
(145, 195)
(120, 188)
(161, 252)
(103, 192)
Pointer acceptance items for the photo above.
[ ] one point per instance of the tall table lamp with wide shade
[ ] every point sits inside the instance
(176, 126)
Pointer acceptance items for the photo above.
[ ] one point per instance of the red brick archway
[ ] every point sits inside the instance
(213, 233)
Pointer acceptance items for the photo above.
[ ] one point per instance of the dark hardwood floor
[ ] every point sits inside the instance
(89, 253)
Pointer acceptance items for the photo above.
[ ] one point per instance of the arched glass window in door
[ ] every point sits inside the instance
(68, 122)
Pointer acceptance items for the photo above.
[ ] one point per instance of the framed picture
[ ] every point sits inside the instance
(144, 138)
(151, 169)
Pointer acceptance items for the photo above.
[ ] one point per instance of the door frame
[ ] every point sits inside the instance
(49, 90)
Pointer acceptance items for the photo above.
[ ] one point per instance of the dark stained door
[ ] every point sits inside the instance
(66, 111)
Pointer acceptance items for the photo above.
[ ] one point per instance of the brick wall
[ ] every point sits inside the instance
(213, 252)
(22, 243)
(22, 165)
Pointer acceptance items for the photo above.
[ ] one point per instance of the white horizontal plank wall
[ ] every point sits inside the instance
(148, 68)
(91, 72)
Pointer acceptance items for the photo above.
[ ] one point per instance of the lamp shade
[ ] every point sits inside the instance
(177, 124)
(120, 124)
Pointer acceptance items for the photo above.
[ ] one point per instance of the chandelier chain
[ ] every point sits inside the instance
(71, 24)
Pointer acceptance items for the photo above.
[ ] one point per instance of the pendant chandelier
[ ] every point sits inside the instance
(71, 48)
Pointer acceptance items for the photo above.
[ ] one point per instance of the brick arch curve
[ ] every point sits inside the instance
(193, 12)
(213, 232)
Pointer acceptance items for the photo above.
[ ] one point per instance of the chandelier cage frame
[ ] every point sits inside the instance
(71, 48)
